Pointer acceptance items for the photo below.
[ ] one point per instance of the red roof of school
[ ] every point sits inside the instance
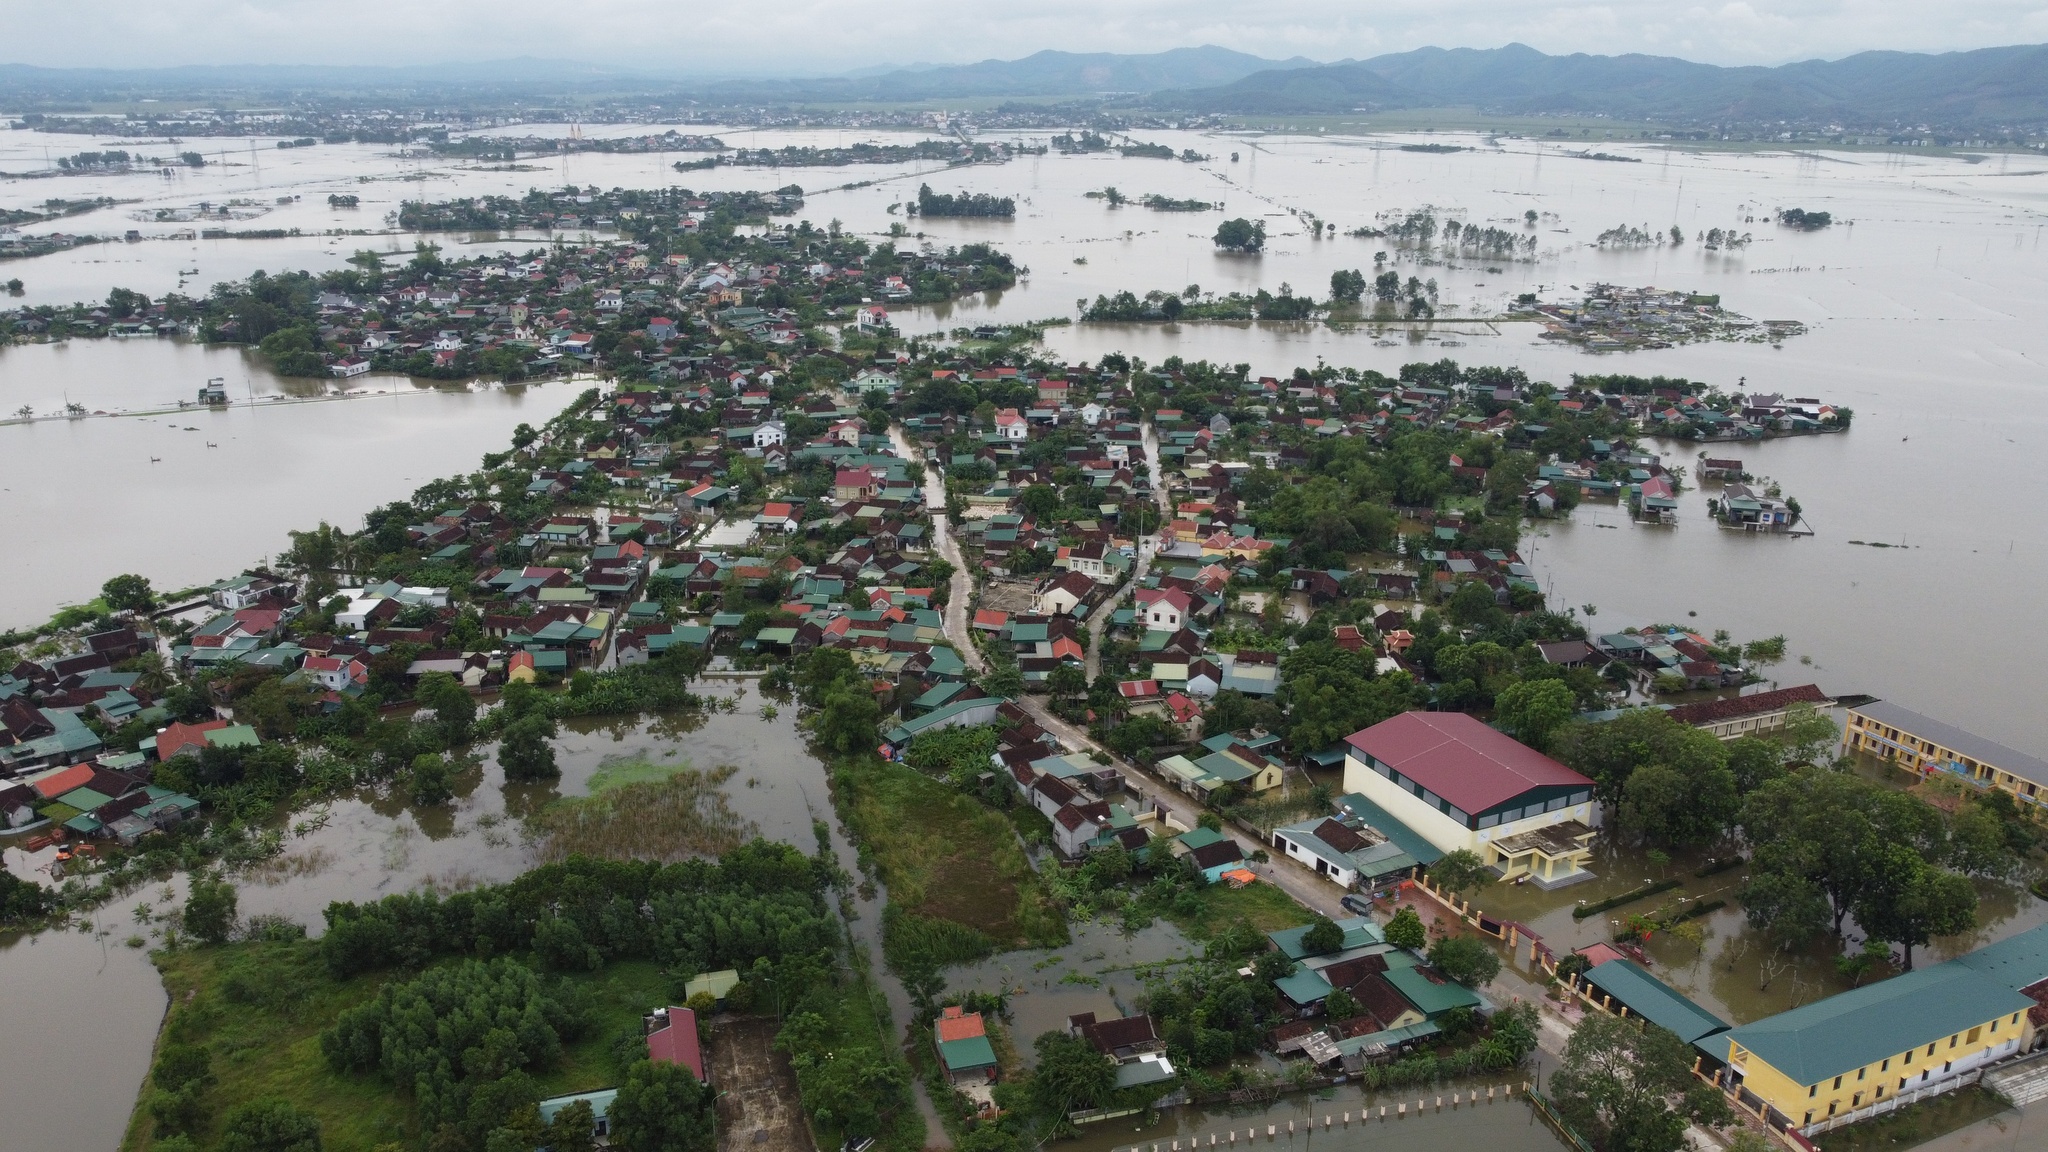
(1460, 759)
(676, 1042)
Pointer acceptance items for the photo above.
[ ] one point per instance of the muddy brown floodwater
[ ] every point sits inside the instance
(83, 1007)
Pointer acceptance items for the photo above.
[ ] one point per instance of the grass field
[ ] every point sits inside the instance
(613, 772)
(1266, 907)
(945, 855)
(259, 1008)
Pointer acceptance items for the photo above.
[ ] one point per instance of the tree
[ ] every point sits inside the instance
(128, 593)
(454, 708)
(429, 780)
(1465, 959)
(1339, 1005)
(270, 1126)
(1405, 930)
(662, 1108)
(1347, 286)
(1533, 709)
(1460, 871)
(847, 721)
(210, 910)
(1071, 1074)
(524, 752)
(1789, 909)
(1066, 682)
(1241, 235)
(1628, 1086)
(1323, 936)
(1908, 901)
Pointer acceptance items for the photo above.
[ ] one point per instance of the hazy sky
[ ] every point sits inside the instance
(793, 36)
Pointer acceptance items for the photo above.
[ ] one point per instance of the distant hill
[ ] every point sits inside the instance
(1041, 74)
(1989, 86)
(1046, 73)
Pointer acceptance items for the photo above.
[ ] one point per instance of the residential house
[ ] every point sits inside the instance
(964, 1051)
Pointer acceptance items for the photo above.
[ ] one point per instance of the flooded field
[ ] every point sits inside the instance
(364, 847)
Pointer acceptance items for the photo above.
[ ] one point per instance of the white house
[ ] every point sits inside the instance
(1163, 609)
(770, 432)
(1010, 425)
(349, 366)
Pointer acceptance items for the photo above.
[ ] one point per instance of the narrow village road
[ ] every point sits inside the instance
(961, 592)
(1304, 886)
(1148, 546)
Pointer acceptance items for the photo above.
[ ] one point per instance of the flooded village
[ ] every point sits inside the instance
(934, 735)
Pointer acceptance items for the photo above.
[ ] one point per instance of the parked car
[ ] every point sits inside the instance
(1356, 905)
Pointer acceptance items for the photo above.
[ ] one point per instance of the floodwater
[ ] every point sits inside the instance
(364, 847)
(1921, 304)
(188, 497)
(1505, 1124)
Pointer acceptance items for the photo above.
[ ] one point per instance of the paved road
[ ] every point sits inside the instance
(961, 592)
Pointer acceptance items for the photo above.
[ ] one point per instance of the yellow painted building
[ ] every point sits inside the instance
(1924, 745)
(1845, 1056)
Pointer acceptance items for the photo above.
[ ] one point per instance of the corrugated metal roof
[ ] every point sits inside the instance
(1462, 760)
(1949, 736)
(1654, 1000)
(1811, 1043)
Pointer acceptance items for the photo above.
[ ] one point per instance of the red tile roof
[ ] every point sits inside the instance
(1710, 711)
(58, 783)
(1460, 759)
(960, 1024)
(178, 736)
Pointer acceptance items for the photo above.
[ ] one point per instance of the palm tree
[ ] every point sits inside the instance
(152, 676)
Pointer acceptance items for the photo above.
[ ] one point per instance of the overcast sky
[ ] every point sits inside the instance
(811, 36)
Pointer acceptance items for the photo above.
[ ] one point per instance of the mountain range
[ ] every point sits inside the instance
(1985, 88)
(1989, 86)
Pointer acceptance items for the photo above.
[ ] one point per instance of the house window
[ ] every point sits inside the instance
(1838, 1081)
(1489, 820)
(1811, 1093)
(1860, 1072)
(1554, 805)
(1454, 813)
(1885, 1067)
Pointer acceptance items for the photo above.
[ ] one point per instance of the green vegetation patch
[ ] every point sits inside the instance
(618, 771)
(946, 857)
(1204, 911)
(672, 817)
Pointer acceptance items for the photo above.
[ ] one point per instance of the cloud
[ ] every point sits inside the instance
(812, 36)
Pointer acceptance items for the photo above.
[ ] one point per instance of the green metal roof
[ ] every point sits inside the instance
(1358, 932)
(1407, 839)
(1305, 986)
(1654, 1000)
(2016, 963)
(1431, 998)
(1828, 1037)
(84, 799)
(965, 1055)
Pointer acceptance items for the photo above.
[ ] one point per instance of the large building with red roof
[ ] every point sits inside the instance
(1460, 784)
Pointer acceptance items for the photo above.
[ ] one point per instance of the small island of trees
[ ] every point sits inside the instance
(931, 203)
(1241, 235)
